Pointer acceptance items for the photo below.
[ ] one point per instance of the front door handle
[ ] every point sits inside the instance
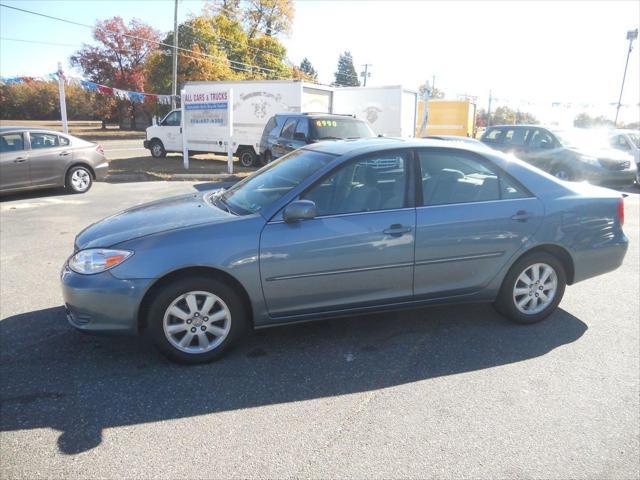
(397, 230)
(20, 160)
(522, 216)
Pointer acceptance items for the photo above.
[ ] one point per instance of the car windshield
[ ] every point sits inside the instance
(339, 128)
(272, 182)
(583, 138)
(635, 138)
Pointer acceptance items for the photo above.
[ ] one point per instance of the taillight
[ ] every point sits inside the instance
(621, 210)
(100, 150)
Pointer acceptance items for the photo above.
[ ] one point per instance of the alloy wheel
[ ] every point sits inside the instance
(535, 288)
(196, 322)
(80, 179)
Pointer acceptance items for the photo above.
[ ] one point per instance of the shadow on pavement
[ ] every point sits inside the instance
(55, 377)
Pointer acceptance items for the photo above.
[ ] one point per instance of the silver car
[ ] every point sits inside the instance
(33, 158)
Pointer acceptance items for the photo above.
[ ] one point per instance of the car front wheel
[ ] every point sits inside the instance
(532, 289)
(157, 149)
(196, 320)
(248, 158)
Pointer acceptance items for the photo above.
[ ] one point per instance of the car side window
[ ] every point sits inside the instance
(454, 176)
(515, 136)
(64, 141)
(620, 143)
(11, 142)
(510, 188)
(43, 140)
(302, 129)
(493, 135)
(289, 128)
(172, 120)
(541, 139)
(275, 129)
(377, 182)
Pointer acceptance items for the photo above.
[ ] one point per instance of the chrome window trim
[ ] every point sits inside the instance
(475, 203)
(336, 215)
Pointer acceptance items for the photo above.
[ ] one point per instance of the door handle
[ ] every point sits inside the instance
(397, 230)
(20, 160)
(64, 154)
(522, 216)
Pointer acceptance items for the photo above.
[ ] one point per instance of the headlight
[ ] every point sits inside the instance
(588, 159)
(97, 260)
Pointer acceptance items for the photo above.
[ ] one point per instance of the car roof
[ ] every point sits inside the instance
(377, 144)
(13, 128)
(523, 125)
(314, 115)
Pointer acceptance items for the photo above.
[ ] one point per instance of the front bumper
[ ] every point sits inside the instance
(145, 144)
(102, 303)
(603, 176)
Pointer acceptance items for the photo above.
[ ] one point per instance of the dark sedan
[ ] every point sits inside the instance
(569, 154)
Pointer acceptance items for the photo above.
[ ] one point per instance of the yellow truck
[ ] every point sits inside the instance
(447, 117)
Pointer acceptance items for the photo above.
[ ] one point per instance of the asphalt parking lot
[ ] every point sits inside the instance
(447, 392)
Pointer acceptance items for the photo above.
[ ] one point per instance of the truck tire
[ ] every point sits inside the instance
(157, 149)
(248, 158)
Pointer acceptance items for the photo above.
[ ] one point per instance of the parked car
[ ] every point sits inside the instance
(572, 154)
(456, 138)
(33, 158)
(286, 132)
(340, 228)
(628, 141)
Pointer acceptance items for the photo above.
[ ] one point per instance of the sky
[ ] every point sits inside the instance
(530, 55)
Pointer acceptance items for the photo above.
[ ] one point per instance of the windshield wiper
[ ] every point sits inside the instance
(223, 205)
(330, 138)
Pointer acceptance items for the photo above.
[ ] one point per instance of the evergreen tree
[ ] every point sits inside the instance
(346, 74)
(307, 68)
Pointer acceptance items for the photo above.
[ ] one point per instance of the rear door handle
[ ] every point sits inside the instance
(64, 154)
(20, 160)
(522, 216)
(397, 230)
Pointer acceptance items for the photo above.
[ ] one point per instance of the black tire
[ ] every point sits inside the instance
(266, 157)
(505, 302)
(248, 158)
(163, 299)
(563, 172)
(157, 149)
(79, 179)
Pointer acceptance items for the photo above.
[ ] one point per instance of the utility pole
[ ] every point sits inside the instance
(63, 101)
(631, 36)
(175, 56)
(489, 110)
(366, 74)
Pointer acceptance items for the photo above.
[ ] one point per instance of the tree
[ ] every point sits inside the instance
(271, 17)
(307, 69)
(433, 93)
(584, 120)
(346, 74)
(118, 59)
(507, 116)
(228, 8)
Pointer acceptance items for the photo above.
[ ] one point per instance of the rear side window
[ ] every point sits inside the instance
(289, 128)
(515, 136)
(492, 135)
(275, 126)
(64, 141)
(43, 140)
(302, 128)
(541, 139)
(11, 142)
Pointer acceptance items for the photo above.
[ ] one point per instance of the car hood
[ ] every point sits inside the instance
(607, 153)
(149, 218)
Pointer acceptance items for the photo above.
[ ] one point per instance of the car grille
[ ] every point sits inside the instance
(614, 164)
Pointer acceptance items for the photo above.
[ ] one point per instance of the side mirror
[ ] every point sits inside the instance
(299, 210)
(300, 136)
(154, 120)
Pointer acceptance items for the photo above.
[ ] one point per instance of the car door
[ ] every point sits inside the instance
(14, 161)
(48, 158)
(172, 131)
(358, 250)
(300, 135)
(283, 144)
(514, 141)
(542, 148)
(471, 219)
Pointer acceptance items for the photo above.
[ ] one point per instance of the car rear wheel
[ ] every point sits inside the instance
(532, 289)
(157, 149)
(248, 158)
(79, 179)
(196, 320)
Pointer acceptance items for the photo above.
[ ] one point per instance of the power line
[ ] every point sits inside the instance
(39, 42)
(157, 42)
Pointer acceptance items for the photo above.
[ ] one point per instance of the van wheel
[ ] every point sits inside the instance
(79, 179)
(532, 289)
(157, 149)
(196, 319)
(248, 158)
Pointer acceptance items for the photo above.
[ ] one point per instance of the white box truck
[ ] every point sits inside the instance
(390, 111)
